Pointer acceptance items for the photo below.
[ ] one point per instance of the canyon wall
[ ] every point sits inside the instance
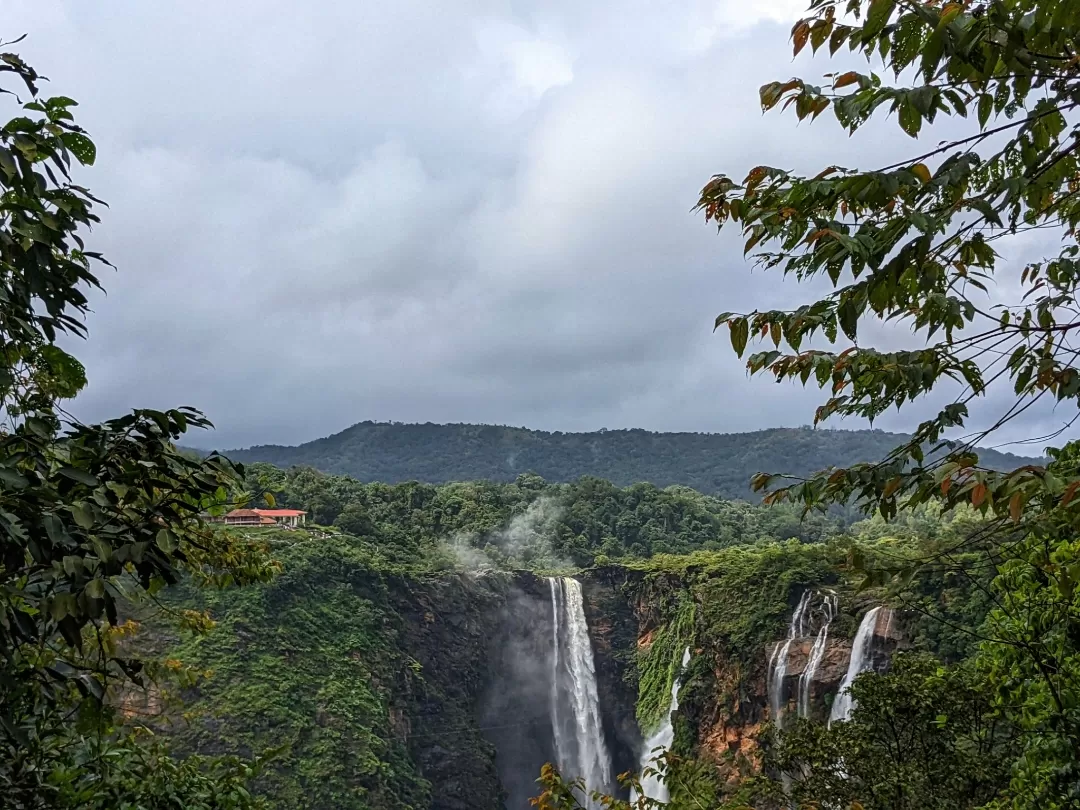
(396, 691)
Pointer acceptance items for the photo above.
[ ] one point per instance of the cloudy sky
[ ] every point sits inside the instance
(325, 212)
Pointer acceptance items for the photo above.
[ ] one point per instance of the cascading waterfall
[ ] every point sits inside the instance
(817, 652)
(575, 705)
(651, 786)
(861, 660)
(779, 662)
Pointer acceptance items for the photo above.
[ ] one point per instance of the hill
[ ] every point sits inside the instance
(713, 463)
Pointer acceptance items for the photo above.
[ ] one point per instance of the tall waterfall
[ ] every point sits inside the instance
(575, 705)
(651, 786)
(779, 662)
(861, 660)
(817, 652)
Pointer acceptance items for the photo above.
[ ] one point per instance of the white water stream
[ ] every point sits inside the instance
(660, 741)
(861, 660)
(779, 662)
(575, 705)
(817, 652)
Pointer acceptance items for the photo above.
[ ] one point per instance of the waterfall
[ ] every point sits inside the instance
(651, 786)
(861, 660)
(817, 652)
(778, 663)
(575, 705)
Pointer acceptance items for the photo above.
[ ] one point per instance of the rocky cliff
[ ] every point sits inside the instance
(433, 691)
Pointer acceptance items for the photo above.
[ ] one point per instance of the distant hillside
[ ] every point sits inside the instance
(713, 463)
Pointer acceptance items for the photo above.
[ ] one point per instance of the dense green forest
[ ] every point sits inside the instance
(714, 463)
(366, 667)
(529, 522)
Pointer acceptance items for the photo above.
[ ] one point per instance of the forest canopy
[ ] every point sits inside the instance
(712, 463)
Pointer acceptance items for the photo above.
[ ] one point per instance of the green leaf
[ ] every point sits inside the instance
(986, 106)
(83, 514)
(12, 478)
(740, 333)
(95, 588)
(7, 162)
(167, 541)
(81, 476)
(910, 120)
(81, 147)
(60, 103)
(848, 316)
(54, 528)
(878, 16)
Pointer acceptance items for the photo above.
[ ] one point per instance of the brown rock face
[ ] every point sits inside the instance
(645, 640)
(142, 706)
(834, 664)
(734, 748)
(827, 677)
(729, 728)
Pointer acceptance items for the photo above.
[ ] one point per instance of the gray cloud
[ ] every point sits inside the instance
(478, 211)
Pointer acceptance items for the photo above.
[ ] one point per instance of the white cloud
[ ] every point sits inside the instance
(534, 63)
(476, 211)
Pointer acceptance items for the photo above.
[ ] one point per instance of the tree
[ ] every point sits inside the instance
(922, 737)
(91, 516)
(915, 243)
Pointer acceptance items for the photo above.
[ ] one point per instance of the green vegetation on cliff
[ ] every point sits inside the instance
(365, 665)
(309, 664)
(360, 682)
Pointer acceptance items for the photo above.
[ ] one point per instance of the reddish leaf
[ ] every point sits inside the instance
(1070, 493)
(799, 34)
(844, 80)
(978, 494)
(1016, 505)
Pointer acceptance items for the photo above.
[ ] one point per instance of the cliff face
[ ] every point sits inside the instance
(885, 638)
(447, 627)
(730, 730)
(613, 629)
(434, 691)
(736, 633)
(478, 725)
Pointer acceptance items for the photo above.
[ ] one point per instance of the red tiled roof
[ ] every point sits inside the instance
(237, 513)
(279, 512)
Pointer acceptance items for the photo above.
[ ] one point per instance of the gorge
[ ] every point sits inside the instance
(435, 646)
(471, 681)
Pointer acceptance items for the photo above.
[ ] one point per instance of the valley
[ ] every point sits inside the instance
(425, 677)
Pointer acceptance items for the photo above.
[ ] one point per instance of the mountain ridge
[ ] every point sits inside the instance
(713, 463)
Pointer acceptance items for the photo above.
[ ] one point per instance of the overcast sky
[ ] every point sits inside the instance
(325, 212)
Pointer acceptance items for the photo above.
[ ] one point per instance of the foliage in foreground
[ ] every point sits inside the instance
(91, 516)
(922, 737)
(916, 242)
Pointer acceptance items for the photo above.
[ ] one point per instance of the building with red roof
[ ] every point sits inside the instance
(265, 517)
(284, 517)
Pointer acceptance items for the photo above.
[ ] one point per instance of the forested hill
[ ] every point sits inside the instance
(714, 463)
